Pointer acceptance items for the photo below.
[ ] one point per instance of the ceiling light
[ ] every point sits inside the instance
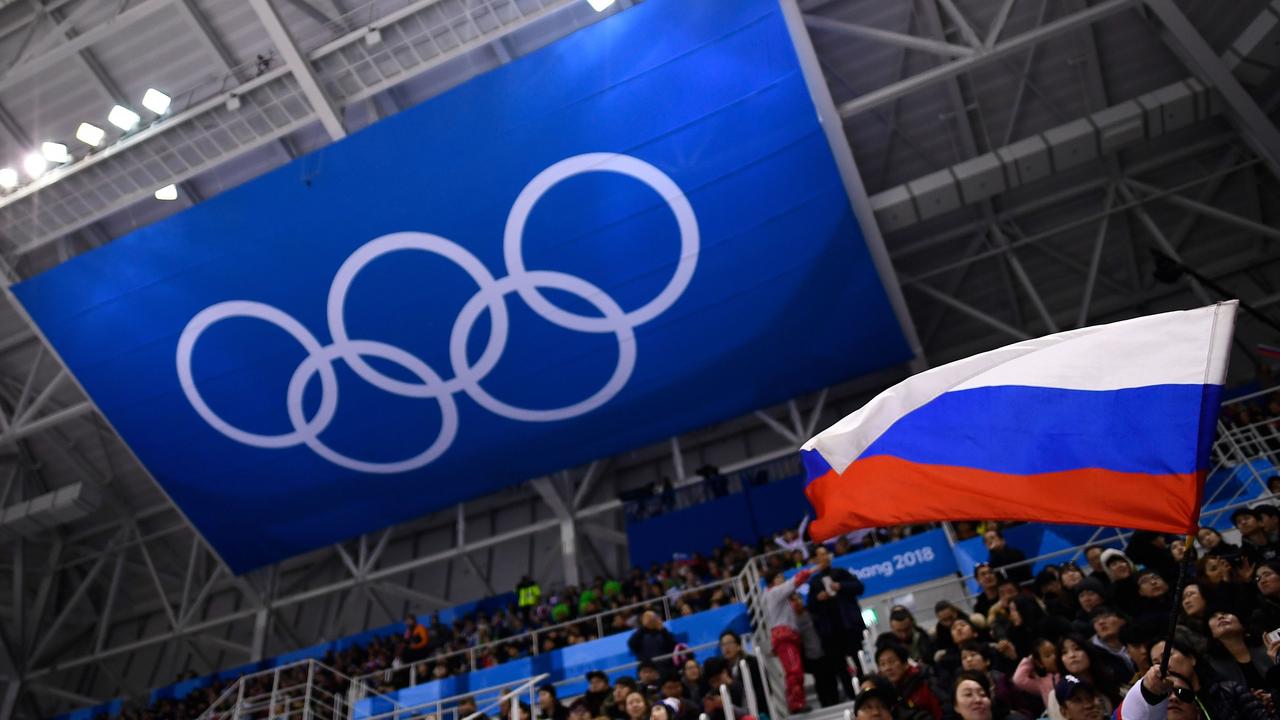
(90, 134)
(8, 178)
(168, 192)
(54, 152)
(600, 5)
(35, 164)
(123, 118)
(372, 36)
(233, 103)
(156, 101)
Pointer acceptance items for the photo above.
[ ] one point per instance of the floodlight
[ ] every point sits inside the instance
(123, 118)
(168, 192)
(600, 5)
(156, 101)
(8, 178)
(35, 164)
(54, 152)
(90, 134)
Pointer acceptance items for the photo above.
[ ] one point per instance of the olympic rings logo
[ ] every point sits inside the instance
(490, 296)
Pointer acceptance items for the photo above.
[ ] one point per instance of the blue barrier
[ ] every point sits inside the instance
(892, 566)
(759, 511)
(106, 709)
(180, 690)
(566, 663)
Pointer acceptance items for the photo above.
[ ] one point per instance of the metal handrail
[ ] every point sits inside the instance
(532, 635)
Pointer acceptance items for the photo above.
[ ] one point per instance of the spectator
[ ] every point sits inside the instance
(528, 594)
(666, 710)
(1078, 700)
(636, 706)
(780, 618)
(1153, 598)
(578, 710)
(1124, 584)
(1234, 655)
(903, 630)
(833, 601)
(1093, 555)
(971, 697)
(988, 583)
(1253, 534)
(716, 670)
(1211, 540)
(415, 639)
(467, 707)
(1005, 696)
(816, 662)
(694, 685)
(1270, 517)
(874, 704)
(1037, 674)
(911, 682)
(1185, 691)
(549, 707)
(1002, 557)
(1266, 614)
(1151, 550)
(652, 641)
(1107, 624)
(1078, 657)
(648, 680)
(731, 651)
(946, 614)
(615, 708)
(598, 692)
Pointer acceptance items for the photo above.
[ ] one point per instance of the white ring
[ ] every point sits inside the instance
(323, 359)
(513, 236)
(490, 295)
(259, 311)
(560, 281)
(426, 242)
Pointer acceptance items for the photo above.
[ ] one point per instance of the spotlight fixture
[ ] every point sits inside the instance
(372, 37)
(600, 5)
(123, 118)
(35, 164)
(156, 101)
(168, 192)
(55, 153)
(90, 134)
(8, 178)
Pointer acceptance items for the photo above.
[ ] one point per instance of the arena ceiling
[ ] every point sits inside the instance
(107, 591)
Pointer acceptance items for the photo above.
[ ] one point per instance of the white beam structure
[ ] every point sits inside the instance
(301, 68)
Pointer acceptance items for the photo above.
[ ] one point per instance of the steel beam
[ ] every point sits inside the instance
(301, 68)
(1255, 127)
(888, 37)
(48, 59)
(1013, 45)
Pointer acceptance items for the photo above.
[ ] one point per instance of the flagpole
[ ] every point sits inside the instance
(1183, 576)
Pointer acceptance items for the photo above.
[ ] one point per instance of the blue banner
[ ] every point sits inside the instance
(896, 565)
(635, 231)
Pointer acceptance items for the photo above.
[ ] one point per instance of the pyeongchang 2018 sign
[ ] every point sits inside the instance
(633, 232)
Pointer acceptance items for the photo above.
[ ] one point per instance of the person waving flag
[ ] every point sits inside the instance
(1108, 425)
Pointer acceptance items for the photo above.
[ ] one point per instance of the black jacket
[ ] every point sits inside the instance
(647, 644)
(837, 615)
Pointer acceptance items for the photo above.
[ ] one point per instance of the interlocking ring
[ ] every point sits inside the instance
(490, 297)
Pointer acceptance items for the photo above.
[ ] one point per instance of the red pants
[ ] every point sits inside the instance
(787, 648)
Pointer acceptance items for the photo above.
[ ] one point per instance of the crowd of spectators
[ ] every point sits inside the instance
(1080, 642)
(560, 616)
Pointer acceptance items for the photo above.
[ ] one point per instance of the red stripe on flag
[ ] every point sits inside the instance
(884, 490)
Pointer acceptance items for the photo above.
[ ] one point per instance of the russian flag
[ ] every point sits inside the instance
(1108, 425)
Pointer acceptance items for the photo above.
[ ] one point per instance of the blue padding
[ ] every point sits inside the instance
(107, 709)
(567, 663)
(700, 529)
